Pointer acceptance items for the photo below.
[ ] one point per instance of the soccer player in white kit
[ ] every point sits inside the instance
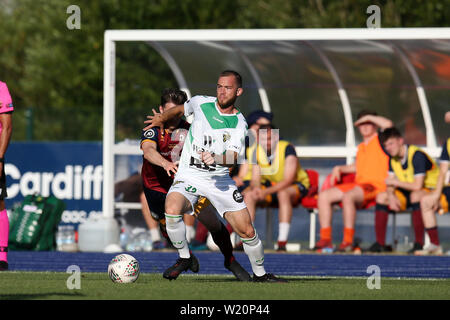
(214, 141)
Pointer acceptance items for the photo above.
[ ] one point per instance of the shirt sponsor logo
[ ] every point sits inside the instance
(237, 196)
(217, 119)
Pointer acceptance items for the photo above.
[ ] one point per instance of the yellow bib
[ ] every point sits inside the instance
(249, 152)
(407, 175)
(448, 146)
(274, 171)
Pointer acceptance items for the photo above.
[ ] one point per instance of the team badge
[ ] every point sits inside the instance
(226, 137)
(149, 133)
(237, 196)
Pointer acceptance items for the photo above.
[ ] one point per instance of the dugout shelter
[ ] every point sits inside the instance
(315, 81)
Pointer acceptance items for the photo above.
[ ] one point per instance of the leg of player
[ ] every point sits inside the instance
(176, 205)
(350, 201)
(242, 225)
(285, 200)
(250, 202)
(221, 237)
(427, 204)
(4, 234)
(152, 224)
(419, 228)
(381, 222)
(325, 202)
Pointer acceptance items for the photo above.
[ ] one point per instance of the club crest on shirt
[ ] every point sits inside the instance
(149, 133)
(226, 136)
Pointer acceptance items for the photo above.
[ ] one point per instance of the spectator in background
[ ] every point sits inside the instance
(244, 170)
(277, 178)
(437, 200)
(412, 173)
(6, 110)
(240, 173)
(370, 168)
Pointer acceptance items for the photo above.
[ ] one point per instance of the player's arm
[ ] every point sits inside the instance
(379, 121)
(342, 169)
(255, 182)
(421, 164)
(158, 119)
(289, 175)
(443, 169)
(152, 155)
(393, 201)
(232, 148)
(443, 166)
(410, 186)
(435, 195)
(228, 159)
(239, 178)
(5, 136)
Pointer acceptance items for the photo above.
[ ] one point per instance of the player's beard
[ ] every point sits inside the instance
(226, 104)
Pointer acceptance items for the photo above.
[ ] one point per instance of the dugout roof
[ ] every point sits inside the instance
(306, 83)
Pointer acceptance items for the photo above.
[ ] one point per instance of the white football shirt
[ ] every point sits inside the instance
(211, 131)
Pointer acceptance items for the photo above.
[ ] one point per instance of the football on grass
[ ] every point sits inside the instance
(123, 268)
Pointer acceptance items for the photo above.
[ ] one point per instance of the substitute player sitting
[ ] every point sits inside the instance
(244, 173)
(370, 167)
(161, 152)
(412, 173)
(281, 180)
(214, 141)
(436, 200)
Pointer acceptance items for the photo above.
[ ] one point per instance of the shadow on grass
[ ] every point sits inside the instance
(289, 279)
(38, 296)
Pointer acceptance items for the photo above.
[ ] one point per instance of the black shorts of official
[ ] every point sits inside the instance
(3, 193)
(156, 202)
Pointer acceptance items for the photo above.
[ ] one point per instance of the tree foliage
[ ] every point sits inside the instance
(58, 73)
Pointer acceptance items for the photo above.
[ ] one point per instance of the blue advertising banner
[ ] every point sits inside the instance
(71, 171)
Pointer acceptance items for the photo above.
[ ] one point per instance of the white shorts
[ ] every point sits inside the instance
(221, 191)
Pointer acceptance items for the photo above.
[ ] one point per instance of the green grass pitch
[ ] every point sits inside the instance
(150, 286)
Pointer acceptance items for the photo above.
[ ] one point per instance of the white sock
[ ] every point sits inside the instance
(254, 249)
(176, 230)
(190, 233)
(154, 234)
(283, 231)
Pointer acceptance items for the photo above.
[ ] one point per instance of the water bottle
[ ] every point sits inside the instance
(124, 238)
(68, 242)
(60, 238)
(327, 250)
(147, 246)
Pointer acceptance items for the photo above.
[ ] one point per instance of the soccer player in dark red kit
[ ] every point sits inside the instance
(162, 148)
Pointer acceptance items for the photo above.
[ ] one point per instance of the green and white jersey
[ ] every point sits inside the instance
(211, 131)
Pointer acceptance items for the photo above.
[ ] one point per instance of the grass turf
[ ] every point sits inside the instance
(150, 286)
